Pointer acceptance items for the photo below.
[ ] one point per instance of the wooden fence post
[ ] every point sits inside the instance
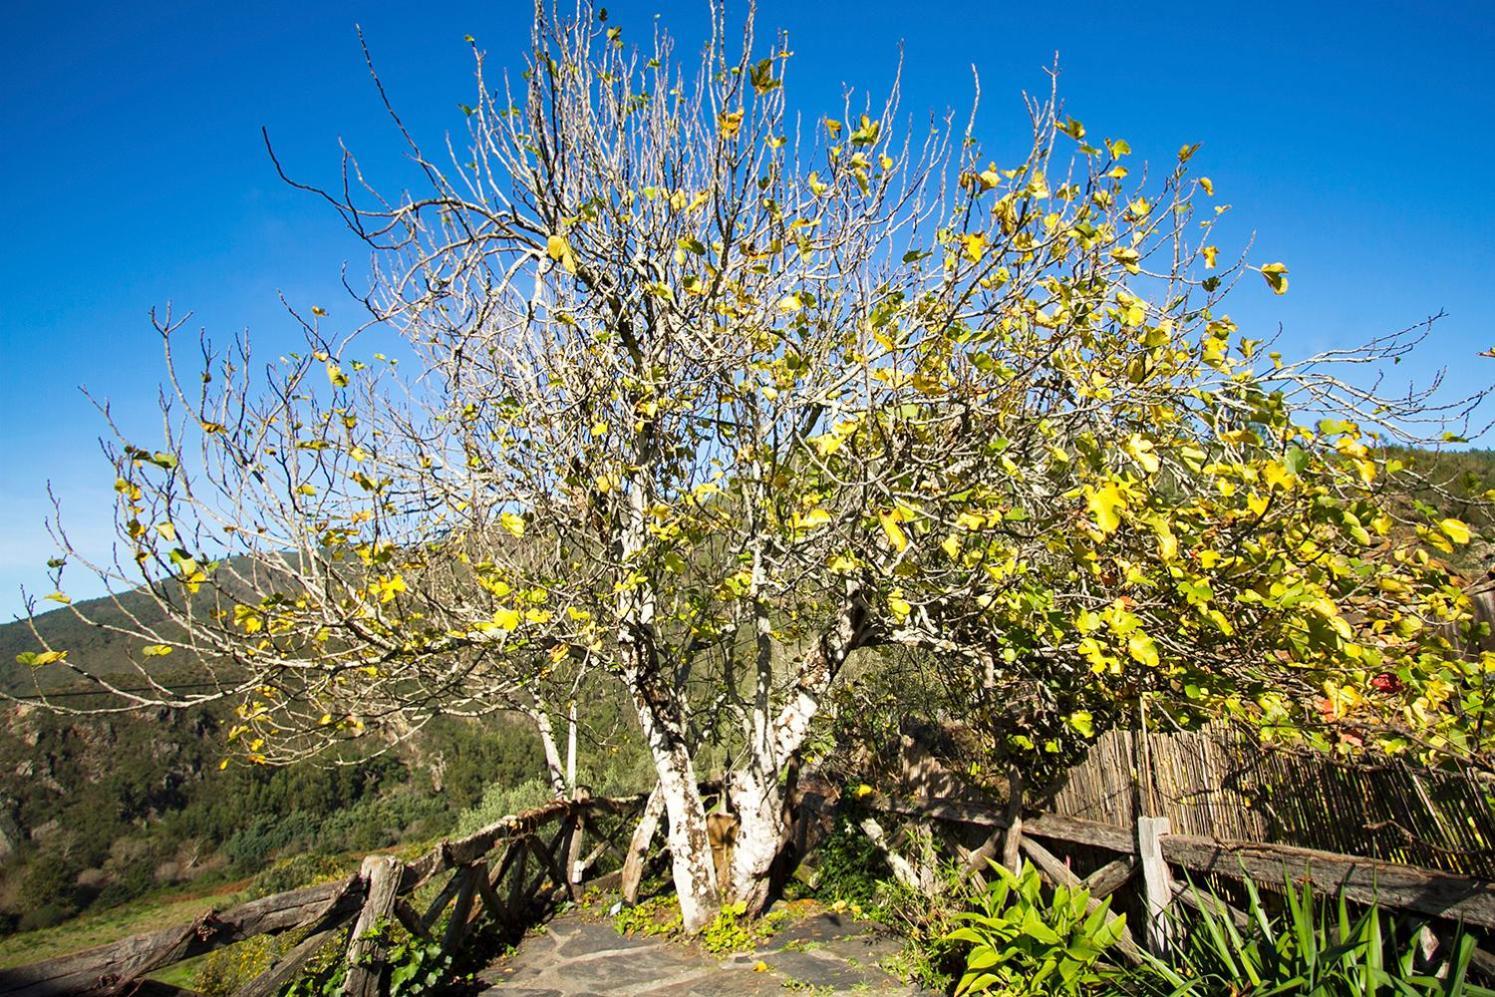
(365, 952)
(1012, 840)
(1157, 882)
(638, 845)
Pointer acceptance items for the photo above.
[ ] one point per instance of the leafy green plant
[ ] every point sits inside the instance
(1313, 946)
(1022, 943)
(728, 932)
(656, 916)
(417, 966)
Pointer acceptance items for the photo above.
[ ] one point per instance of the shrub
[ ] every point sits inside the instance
(501, 801)
(1314, 946)
(1024, 944)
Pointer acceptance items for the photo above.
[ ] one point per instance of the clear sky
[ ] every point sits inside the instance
(1354, 139)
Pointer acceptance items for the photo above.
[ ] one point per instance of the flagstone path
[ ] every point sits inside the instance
(576, 955)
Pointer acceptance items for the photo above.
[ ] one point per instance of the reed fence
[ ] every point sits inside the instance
(1224, 785)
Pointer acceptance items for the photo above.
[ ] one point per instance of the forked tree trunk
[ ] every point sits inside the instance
(762, 830)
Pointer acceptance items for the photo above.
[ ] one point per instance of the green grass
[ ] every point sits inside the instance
(145, 914)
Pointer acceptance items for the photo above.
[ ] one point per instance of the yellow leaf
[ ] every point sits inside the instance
(894, 532)
(1106, 504)
(730, 123)
(1211, 253)
(1167, 542)
(810, 520)
(1455, 530)
(155, 650)
(1141, 647)
(1275, 275)
(507, 619)
(1208, 185)
(513, 524)
(1139, 449)
(558, 248)
(58, 597)
(336, 376)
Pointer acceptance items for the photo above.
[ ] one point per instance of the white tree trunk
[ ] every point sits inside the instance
(690, 845)
(553, 767)
(762, 829)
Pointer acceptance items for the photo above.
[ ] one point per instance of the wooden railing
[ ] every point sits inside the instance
(1149, 852)
(511, 871)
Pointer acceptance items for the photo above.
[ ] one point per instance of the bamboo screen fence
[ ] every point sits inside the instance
(1220, 784)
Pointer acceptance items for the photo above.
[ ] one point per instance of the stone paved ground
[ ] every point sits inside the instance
(577, 955)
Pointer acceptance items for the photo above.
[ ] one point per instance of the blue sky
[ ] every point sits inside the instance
(1352, 138)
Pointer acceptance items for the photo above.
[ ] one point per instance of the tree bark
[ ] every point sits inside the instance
(690, 845)
(762, 830)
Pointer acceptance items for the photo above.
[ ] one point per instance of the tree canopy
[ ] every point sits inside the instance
(709, 397)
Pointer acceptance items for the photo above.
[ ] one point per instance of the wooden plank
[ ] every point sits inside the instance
(1426, 891)
(1062, 875)
(365, 977)
(1157, 881)
(105, 967)
(1439, 894)
(638, 845)
(1075, 830)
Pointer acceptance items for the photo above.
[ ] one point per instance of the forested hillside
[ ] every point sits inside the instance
(97, 810)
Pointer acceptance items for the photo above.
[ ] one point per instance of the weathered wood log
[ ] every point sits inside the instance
(465, 851)
(1012, 836)
(456, 925)
(321, 930)
(1439, 894)
(1060, 874)
(1157, 881)
(410, 920)
(515, 907)
(439, 902)
(1075, 830)
(638, 845)
(366, 951)
(1110, 877)
(489, 895)
(574, 841)
(106, 967)
(1426, 891)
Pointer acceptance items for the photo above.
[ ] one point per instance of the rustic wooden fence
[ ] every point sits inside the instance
(1149, 853)
(512, 871)
(1223, 784)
